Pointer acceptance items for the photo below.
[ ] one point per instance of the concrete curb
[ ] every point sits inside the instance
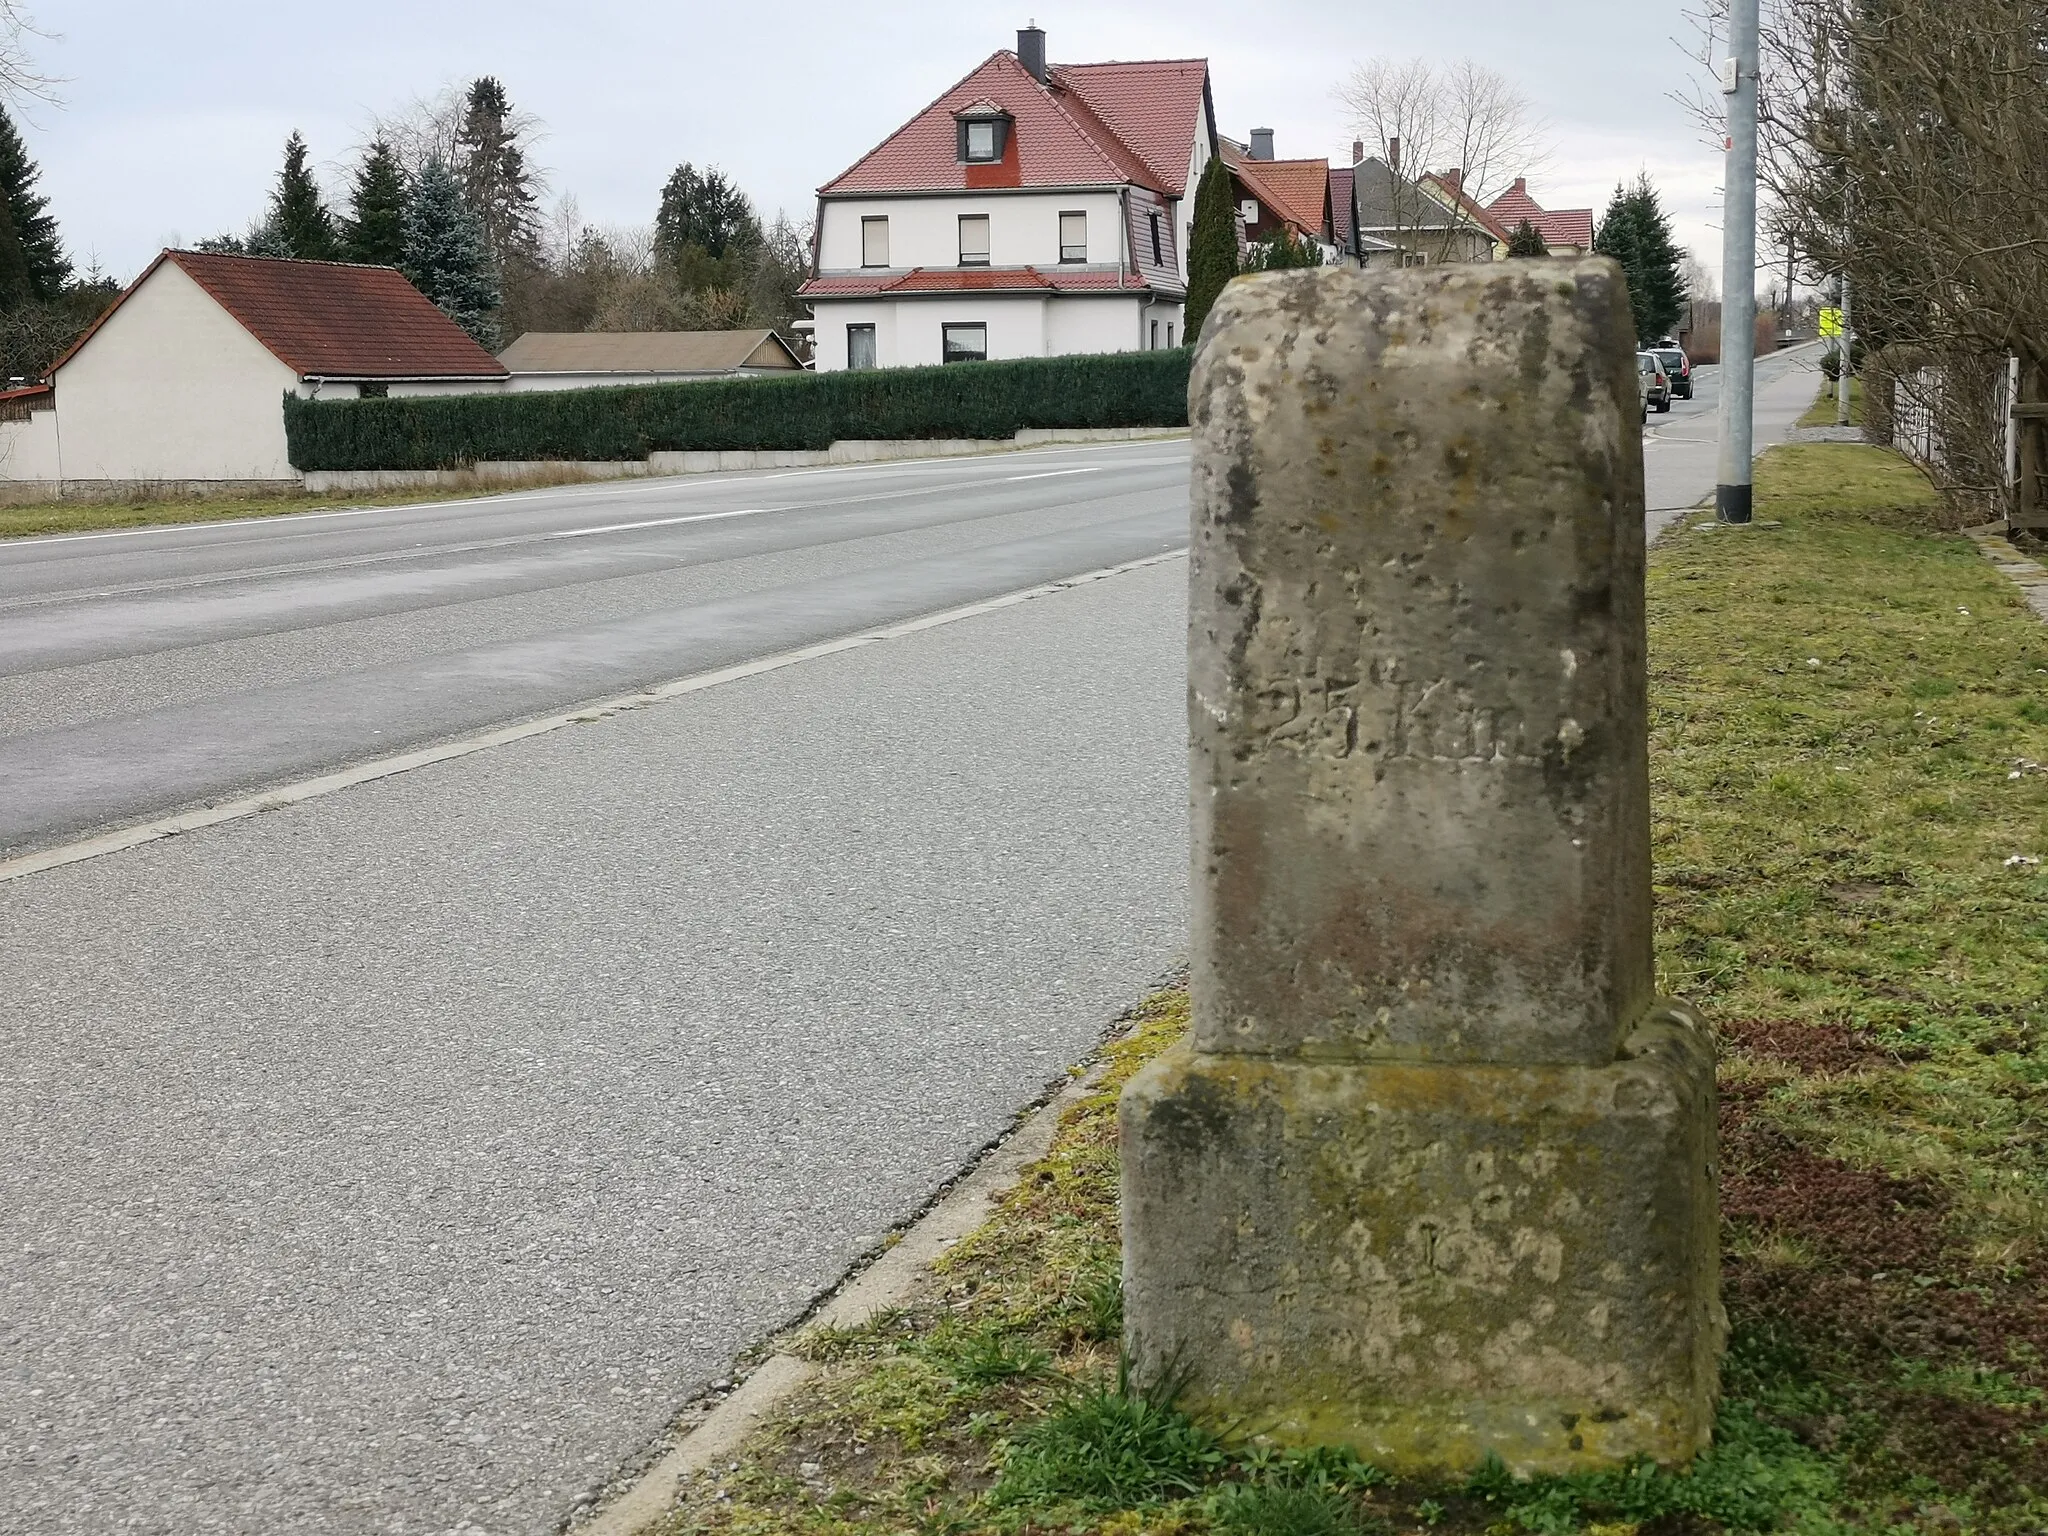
(2027, 575)
(714, 1431)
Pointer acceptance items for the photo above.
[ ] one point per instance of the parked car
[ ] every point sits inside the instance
(1677, 367)
(1656, 383)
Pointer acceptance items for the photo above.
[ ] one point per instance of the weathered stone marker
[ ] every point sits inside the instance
(1434, 1174)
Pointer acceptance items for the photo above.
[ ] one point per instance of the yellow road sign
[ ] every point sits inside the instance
(1831, 322)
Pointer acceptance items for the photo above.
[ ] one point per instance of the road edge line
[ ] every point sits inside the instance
(160, 828)
(890, 1279)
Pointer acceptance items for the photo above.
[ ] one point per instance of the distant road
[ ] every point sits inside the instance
(1681, 450)
(148, 670)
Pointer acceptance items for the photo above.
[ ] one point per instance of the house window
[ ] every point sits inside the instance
(966, 344)
(860, 346)
(373, 391)
(973, 239)
(1073, 237)
(1169, 335)
(1158, 259)
(1155, 335)
(982, 139)
(1248, 210)
(874, 242)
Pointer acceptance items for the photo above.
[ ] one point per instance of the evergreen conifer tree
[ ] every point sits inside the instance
(1212, 246)
(1636, 232)
(299, 217)
(705, 211)
(446, 255)
(35, 230)
(376, 227)
(1527, 240)
(17, 287)
(1281, 250)
(497, 183)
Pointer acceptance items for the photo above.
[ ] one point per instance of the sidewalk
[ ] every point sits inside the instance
(1848, 738)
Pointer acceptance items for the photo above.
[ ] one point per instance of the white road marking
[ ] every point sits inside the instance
(663, 522)
(403, 762)
(1047, 474)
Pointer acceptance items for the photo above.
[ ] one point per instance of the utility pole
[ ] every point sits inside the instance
(1735, 494)
(1848, 354)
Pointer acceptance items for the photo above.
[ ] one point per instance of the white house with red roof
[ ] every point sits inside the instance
(182, 380)
(1033, 210)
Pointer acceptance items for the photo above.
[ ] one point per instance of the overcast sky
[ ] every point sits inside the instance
(174, 116)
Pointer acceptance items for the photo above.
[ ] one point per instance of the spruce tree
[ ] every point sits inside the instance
(34, 229)
(17, 287)
(1212, 246)
(1527, 240)
(703, 211)
(497, 183)
(1636, 232)
(376, 226)
(446, 255)
(301, 219)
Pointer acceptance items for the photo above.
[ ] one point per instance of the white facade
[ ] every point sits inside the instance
(1024, 229)
(170, 388)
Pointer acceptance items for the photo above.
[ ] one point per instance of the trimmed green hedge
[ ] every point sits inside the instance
(809, 410)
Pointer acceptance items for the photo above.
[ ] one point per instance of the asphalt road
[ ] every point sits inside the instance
(143, 672)
(1681, 448)
(398, 1160)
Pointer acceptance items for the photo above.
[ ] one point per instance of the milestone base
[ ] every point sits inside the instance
(1428, 1263)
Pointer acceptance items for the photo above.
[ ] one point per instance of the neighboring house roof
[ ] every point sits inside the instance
(1567, 226)
(1448, 186)
(1342, 225)
(972, 279)
(1087, 125)
(326, 319)
(1297, 190)
(647, 352)
(1389, 200)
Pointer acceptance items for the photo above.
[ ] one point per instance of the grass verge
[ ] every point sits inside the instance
(1849, 724)
(146, 511)
(1823, 410)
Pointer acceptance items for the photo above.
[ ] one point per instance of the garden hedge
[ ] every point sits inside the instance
(808, 410)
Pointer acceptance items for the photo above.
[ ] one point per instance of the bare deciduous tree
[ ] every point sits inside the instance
(1902, 142)
(20, 79)
(1423, 117)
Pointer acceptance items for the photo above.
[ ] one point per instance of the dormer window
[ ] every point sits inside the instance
(983, 137)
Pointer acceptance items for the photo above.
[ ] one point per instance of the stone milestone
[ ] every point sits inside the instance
(1434, 1174)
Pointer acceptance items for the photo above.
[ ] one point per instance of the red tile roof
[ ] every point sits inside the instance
(1341, 205)
(970, 280)
(1568, 226)
(1090, 125)
(328, 319)
(1297, 190)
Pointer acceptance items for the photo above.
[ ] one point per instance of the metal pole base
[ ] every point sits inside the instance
(1732, 503)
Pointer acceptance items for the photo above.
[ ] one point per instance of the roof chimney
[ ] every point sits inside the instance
(1394, 155)
(1357, 150)
(1522, 185)
(1262, 143)
(1031, 50)
(1454, 178)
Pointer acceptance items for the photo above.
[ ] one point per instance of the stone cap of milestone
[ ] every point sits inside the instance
(1416, 676)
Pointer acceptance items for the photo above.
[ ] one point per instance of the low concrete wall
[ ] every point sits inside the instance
(15, 493)
(847, 451)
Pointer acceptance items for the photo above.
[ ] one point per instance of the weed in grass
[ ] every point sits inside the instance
(1276, 1509)
(983, 1356)
(1109, 1448)
(1099, 1297)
